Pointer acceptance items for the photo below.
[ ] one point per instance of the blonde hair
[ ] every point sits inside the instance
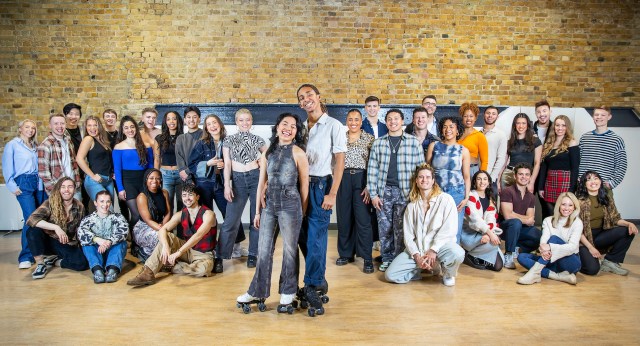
(32, 140)
(243, 111)
(556, 209)
(551, 137)
(414, 194)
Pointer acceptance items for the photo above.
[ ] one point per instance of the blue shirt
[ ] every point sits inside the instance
(18, 159)
(382, 128)
(127, 159)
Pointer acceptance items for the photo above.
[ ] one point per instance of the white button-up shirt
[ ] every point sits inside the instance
(326, 138)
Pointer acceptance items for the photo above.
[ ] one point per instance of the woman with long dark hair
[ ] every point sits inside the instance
(284, 165)
(153, 204)
(132, 156)
(523, 146)
(172, 127)
(480, 232)
(20, 170)
(605, 233)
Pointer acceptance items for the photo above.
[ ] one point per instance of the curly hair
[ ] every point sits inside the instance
(297, 140)
(456, 121)
(469, 106)
(581, 188)
(414, 194)
(58, 210)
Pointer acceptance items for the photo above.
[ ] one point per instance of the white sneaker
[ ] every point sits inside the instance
(508, 261)
(286, 299)
(246, 298)
(25, 265)
(239, 251)
(449, 280)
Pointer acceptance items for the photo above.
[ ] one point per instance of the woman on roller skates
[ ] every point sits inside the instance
(284, 165)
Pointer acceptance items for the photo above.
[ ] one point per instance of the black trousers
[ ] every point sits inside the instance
(355, 233)
(41, 243)
(617, 238)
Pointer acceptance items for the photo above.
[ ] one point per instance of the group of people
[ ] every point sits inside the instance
(434, 194)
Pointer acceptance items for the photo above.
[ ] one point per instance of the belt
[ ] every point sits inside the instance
(316, 179)
(353, 170)
(473, 164)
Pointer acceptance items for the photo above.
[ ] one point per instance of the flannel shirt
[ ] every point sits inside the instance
(410, 155)
(50, 162)
(43, 213)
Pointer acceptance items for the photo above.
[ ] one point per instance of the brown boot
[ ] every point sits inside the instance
(144, 278)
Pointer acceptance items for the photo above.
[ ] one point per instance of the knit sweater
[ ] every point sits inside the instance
(478, 220)
(571, 236)
(604, 153)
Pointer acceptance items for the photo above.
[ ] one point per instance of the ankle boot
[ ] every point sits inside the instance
(532, 276)
(564, 276)
(145, 277)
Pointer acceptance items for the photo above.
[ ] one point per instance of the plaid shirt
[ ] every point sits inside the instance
(43, 213)
(50, 161)
(410, 155)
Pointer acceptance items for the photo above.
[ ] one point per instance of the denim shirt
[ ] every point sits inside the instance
(18, 159)
(201, 153)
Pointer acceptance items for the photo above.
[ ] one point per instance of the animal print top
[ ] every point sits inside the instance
(244, 147)
(358, 152)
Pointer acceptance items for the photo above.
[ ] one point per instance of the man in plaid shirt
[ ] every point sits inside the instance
(57, 156)
(392, 160)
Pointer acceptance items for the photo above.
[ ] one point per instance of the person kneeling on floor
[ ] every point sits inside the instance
(430, 229)
(191, 252)
(103, 236)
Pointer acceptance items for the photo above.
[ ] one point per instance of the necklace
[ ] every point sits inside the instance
(394, 148)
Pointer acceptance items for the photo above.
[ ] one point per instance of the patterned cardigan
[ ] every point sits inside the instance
(478, 221)
(611, 216)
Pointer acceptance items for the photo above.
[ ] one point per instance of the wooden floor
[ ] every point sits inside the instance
(483, 308)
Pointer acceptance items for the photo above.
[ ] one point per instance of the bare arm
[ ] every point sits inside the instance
(303, 174)
(536, 168)
(262, 181)
(506, 208)
(228, 192)
(466, 162)
(145, 215)
(81, 158)
(338, 169)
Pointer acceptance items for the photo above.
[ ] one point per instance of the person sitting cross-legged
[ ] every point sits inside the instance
(191, 251)
(103, 236)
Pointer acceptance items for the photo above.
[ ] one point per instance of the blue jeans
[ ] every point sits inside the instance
(92, 187)
(29, 200)
(517, 234)
(210, 190)
(113, 257)
(458, 196)
(245, 186)
(313, 235)
(569, 263)
(172, 183)
(285, 209)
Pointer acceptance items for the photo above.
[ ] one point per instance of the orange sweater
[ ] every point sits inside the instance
(476, 143)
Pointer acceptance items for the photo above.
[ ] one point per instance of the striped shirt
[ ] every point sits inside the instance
(410, 155)
(604, 153)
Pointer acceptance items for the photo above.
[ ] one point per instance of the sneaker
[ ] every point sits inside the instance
(246, 298)
(217, 266)
(344, 260)
(50, 261)
(508, 261)
(98, 276)
(40, 272)
(368, 267)
(613, 267)
(383, 267)
(516, 253)
(25, 265)
(112, 275)
(449, 280)
(251, 262)
(239, 251)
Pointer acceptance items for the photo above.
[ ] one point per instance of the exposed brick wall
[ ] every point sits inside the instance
(131, 54)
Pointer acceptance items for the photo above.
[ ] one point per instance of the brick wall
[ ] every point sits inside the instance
(131, 54)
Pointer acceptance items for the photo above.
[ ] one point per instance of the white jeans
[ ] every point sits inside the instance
(404, 268)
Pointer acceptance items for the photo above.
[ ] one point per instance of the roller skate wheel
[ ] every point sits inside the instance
(311, 312)
(325, 299)
(290, 310)
(262, 307)
(238, 305)
(246, 309)
(320, 311)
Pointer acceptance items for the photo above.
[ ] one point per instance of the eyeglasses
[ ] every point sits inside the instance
(429, 104)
